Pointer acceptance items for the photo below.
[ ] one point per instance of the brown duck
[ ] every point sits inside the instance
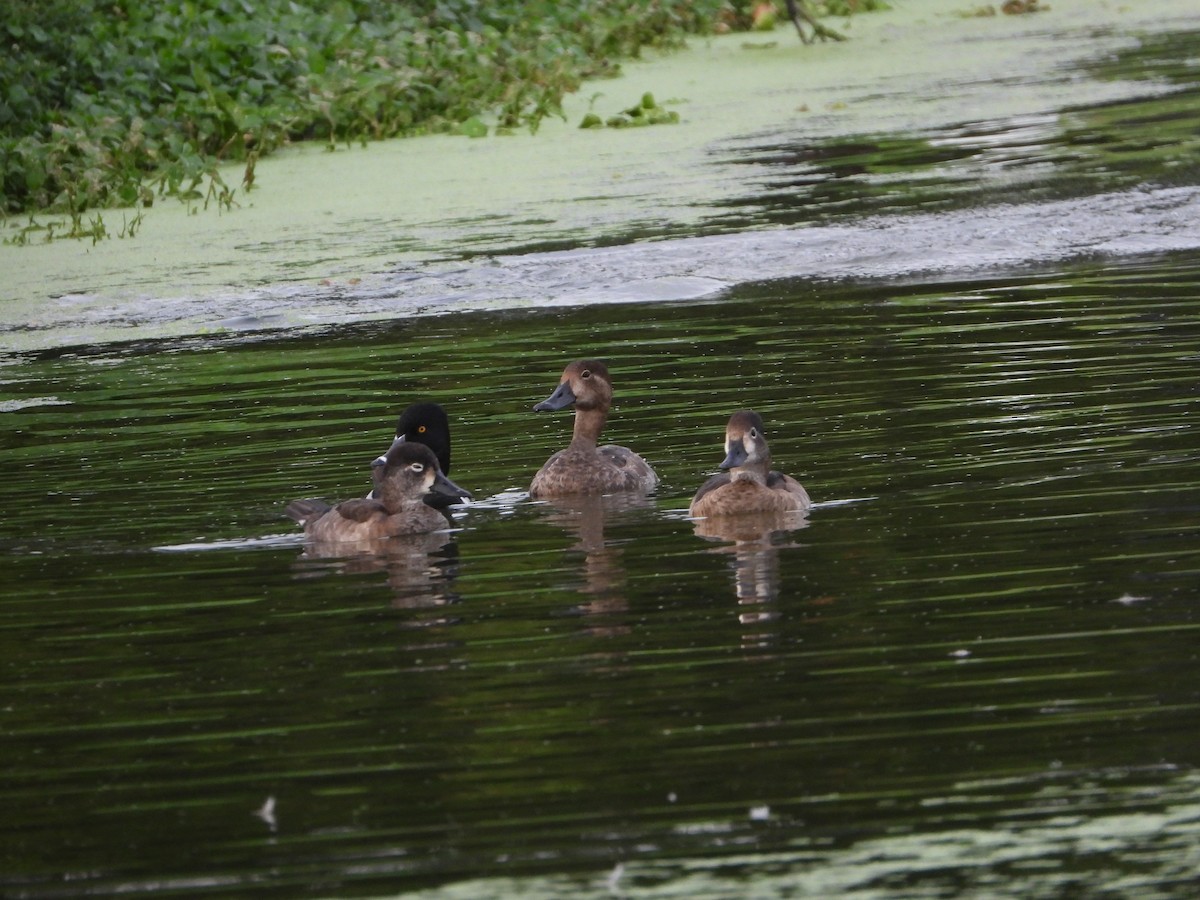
(408, 487)
(748, 485)
(583, 467)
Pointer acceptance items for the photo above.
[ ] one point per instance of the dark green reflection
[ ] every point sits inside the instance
(998, 628)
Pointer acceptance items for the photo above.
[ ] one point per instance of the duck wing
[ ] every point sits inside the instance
(777, 481)
(360, 510)
(624, 458)
(719, 480)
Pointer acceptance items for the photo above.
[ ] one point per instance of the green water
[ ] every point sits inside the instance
(973, 670)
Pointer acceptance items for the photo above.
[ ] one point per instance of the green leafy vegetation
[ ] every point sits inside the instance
(115, 103)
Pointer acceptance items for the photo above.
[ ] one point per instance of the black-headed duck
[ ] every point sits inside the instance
(582, 467)
(748, 485)
(428, 424)
(409, 485)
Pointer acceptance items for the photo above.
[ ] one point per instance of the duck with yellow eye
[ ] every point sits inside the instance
(410, 487)
(583, 467)
(423, 423)
(748, 485)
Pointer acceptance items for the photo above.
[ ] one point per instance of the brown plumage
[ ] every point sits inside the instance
(407, 487)
(583, 467)
(749, 485)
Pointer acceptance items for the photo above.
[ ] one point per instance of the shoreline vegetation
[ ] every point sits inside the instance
(110, 104)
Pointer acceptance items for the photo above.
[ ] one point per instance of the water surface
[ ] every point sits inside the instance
(973, 669)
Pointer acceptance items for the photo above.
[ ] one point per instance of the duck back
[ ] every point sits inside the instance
(364, 520)
(592, 470)
(722, 495)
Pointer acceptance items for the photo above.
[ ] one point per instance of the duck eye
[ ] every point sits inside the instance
(417, 467)
(420, 429)
(586, 373)
(754, 432)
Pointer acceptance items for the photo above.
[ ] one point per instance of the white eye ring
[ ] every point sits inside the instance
(417, 467)
(586, 373)
(753, 432)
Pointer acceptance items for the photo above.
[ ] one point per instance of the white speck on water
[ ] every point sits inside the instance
(613, 881)
(266, 812)
(1128, 599)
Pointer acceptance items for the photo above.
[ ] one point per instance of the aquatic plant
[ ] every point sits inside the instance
(645, 112)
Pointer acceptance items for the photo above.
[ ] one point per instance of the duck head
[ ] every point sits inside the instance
(746, 442)
(409, 471)
(585, 384)
(428, 424)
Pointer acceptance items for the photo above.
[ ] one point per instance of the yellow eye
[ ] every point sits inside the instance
(420, 429)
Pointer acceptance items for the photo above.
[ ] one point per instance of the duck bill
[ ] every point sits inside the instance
(562, 397)
(444, 492)
(735, 455)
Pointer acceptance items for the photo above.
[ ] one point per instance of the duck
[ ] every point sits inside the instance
(422, 423)
(583, 467)
(407, 481)
(428, 424)
(748, 485)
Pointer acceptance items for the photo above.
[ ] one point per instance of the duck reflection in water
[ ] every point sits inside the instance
(749, 507)
(585, 484)
(753, 540)
(420, 569)
(604, 578)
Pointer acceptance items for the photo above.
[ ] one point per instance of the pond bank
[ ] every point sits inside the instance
(323, 226)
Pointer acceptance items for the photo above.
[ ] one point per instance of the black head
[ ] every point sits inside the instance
(427, 423)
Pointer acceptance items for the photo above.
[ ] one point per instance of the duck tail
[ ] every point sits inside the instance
(305, 511)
